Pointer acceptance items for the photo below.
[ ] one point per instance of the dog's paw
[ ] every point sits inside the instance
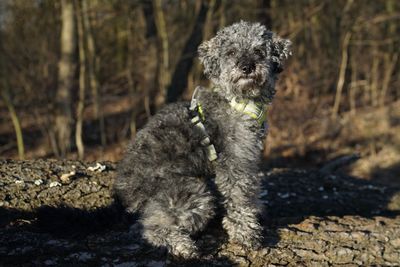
(185, 250)
(247, 234)
(253, 243)
(249, 242)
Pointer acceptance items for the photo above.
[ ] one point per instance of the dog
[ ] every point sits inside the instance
(191, 158)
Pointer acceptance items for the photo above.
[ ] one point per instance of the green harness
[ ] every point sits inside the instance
(256, 110)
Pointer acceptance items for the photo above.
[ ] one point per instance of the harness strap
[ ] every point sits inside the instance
(255, 110)
(197, 121)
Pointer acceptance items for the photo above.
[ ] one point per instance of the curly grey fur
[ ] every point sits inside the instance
(165, 175)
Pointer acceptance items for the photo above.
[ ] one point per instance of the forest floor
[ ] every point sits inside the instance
(62, 213)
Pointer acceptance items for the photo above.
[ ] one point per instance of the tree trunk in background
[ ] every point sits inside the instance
(221, 11)
(82, 81)
(66, 68)
(129, 74)
(391, 56)
(180, 76)
(14, 118)
(390, 61)
(163, 54)
(92, 69)
(195, 75)
(345, 42)
(5, 95)
(151, 35)
(342, 74)
(375, 77)
(353, 84)
(265, 13)
(208, 31)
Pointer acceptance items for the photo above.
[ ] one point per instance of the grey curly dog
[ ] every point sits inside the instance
(192, 158)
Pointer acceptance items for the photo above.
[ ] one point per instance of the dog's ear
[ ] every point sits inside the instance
(208, 55)
(281, 50)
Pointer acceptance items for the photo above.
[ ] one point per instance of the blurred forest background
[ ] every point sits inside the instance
(78, 78)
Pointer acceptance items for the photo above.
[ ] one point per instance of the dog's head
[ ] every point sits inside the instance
(244, 59)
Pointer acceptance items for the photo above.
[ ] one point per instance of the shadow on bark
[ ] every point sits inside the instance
(291, 196)
(63, 236)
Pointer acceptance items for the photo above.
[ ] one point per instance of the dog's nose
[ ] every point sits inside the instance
(248, 68)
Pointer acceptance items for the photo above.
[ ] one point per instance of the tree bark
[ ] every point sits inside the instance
(66, 69)
(63, 213)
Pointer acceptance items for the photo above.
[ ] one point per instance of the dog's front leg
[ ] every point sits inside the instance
(239, 186)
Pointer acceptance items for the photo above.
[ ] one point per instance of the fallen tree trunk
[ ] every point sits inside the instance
(63, 213)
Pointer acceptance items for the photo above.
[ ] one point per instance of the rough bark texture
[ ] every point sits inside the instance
(61, 213)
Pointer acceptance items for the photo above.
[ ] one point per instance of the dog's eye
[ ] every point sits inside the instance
(231, 53)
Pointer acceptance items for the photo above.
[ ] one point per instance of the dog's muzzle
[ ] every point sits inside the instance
(246, 71)
(247, 67)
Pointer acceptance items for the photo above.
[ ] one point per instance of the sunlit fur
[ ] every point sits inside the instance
(166, 176)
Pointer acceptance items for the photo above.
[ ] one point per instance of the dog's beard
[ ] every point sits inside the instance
(248, 85)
